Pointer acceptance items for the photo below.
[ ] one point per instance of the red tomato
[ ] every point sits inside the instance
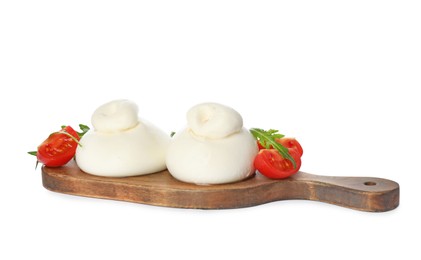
(260, 146)
(59, 148)
(289, 142)
(270, 163)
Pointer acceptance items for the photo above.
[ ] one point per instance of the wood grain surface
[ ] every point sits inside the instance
(161, 189)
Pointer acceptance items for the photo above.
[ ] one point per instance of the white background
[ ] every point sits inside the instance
(340, 76)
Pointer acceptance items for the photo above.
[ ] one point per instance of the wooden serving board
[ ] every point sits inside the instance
(161, 189)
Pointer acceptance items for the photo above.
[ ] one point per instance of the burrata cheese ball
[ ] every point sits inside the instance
(214, 147)
(121, 144)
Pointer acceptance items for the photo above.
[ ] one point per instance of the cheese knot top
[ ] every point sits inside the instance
(115, 116)
(214, 120)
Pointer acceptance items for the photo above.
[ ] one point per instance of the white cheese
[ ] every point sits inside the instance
(214, 120)
(121, 144)
(115, 116)
(214, 148)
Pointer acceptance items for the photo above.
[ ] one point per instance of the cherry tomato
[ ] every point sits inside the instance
(59, 148)
(270, 163)
(289, 142)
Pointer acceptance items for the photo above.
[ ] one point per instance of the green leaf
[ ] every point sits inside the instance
(268, 139)
(172, 134)
(84, 129)
(33, 153)
(36, 165)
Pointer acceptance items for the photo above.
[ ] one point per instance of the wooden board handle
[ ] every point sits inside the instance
(362, 193)
(161, 189)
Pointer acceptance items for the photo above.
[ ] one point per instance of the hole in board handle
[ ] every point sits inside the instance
(370, 183)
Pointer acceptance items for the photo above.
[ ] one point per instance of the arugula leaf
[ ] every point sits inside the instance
(84, 129)
(34, 153)
(268, 139)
